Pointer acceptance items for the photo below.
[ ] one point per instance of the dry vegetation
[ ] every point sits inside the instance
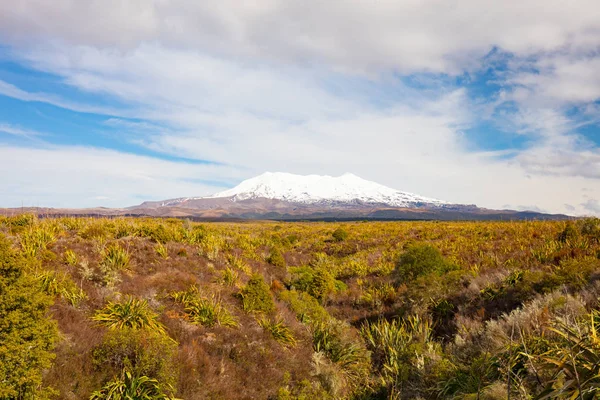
(167, 308)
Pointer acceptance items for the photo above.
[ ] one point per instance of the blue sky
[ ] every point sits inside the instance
(497, 105)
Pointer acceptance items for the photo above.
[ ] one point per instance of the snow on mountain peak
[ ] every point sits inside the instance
(310, 189)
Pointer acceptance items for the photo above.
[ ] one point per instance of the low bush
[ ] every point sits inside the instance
(419, 260)
(256, 295)
(27, 335)
(306, 307)
(275, 258)
(142, 352)
(339, 235)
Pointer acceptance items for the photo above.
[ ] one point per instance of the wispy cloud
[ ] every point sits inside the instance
(18, 131)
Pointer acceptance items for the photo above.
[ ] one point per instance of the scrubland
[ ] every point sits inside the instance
(167, 308)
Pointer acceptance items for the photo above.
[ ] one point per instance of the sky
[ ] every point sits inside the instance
(115, 102)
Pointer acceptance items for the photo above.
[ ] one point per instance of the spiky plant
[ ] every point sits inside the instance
(574, 360)
(279, 331)
(131, 313)
(229, 276)
(130, 387)
(36, 239)
(206, 311)
(162, 250)
(71, 257)
(115, 257)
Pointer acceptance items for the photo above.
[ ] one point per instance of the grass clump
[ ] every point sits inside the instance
(131, 313)
(115, 257)
(229, 276)
(256, 296)
(279, 331)
(205, 311)
(35, 240)
(129, 387)
(71, 258)
(161, 250)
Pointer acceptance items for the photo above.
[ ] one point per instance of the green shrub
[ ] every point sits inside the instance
(256, 295)
(339, 235)
(318, 282)
(276, 258)
(129, 387)
(27, 335)
(131, 313)
(141, 351)
(306, 307)
(419, 260)
(568, 234)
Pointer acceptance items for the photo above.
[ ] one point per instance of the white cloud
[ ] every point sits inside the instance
(408, 36)
(87, 177)
(309, 88)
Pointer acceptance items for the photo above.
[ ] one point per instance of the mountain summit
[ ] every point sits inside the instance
(321, 189)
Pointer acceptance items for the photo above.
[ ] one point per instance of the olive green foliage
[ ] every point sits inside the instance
(142, 352)
(318, 282)
(280, 332)
(206, 311)
(130, 387)
(276, 258)
(256, 295)
(419, 260)
(306, 307)
(339, 235)
(27, 335)
(130, 313)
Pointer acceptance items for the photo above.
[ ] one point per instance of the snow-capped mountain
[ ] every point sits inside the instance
(322, 189)
(283, 196)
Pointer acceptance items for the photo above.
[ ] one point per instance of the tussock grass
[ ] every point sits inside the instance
(279, 331)
(131, 313)
(206, 311)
